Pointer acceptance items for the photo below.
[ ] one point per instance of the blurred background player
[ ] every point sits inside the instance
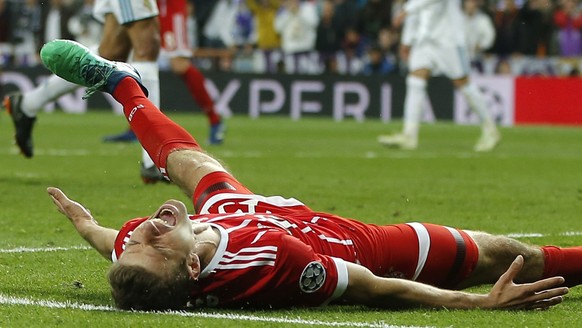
(24, 107)
(480, 33)
(130, 28)
(176, 46)
(435, 35)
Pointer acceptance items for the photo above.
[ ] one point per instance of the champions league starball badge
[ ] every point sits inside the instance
(312, 277)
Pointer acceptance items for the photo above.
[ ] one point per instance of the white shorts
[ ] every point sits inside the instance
(125, 11)
(451, 61)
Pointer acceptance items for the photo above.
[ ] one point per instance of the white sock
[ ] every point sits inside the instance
(49, 90)
(146, 160)
(415, 97)
(478, 104)
(150, 77)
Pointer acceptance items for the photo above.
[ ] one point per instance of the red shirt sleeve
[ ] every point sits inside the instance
(310, 279)
(299, 277)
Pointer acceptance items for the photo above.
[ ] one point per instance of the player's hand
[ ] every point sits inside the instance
(76, 212)
(541, 294)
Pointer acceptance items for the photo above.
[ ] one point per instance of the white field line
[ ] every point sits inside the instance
(9, 300)
(541, 235)
(42, 249)
(64, 249)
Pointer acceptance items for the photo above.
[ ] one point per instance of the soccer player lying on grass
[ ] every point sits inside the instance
(246, 250)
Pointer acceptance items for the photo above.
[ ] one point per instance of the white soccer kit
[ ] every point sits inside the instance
(125, 11)
(438, 40)
(480, 33)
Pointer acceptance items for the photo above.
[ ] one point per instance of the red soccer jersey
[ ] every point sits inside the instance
(276, 252)
(269, 260)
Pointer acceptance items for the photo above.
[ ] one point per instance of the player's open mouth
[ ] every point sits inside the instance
(167, 215)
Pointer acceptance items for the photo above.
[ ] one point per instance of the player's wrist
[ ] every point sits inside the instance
(464, 301)
(482, 301)
(83, 222)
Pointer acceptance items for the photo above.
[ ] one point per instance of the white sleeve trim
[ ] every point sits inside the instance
(113, 256)
(342, 280)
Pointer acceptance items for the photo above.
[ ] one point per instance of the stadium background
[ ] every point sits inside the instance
(512, 100)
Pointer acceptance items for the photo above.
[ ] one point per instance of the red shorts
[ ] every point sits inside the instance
(429, 253)
(173, 28)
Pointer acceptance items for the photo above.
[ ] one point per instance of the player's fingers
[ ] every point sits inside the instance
(60, 206)
(513, 270)
(546, 284)
(539, 302)
(57, 204)
(550, 293)
(545, 299)
(54, 192)
(57, 194)
(546, 303)
(59, 199)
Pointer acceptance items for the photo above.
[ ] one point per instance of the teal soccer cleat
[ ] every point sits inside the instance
(75, 63)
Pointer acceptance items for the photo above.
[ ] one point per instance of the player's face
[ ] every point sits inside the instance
(163, 241)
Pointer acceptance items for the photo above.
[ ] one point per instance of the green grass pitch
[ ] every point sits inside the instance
(531, 186)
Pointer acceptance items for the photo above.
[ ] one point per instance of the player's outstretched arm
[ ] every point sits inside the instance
(366, 288)
(101, 238)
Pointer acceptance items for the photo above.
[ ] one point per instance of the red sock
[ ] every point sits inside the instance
(156, 132)
(565, 262)
(195, 82)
